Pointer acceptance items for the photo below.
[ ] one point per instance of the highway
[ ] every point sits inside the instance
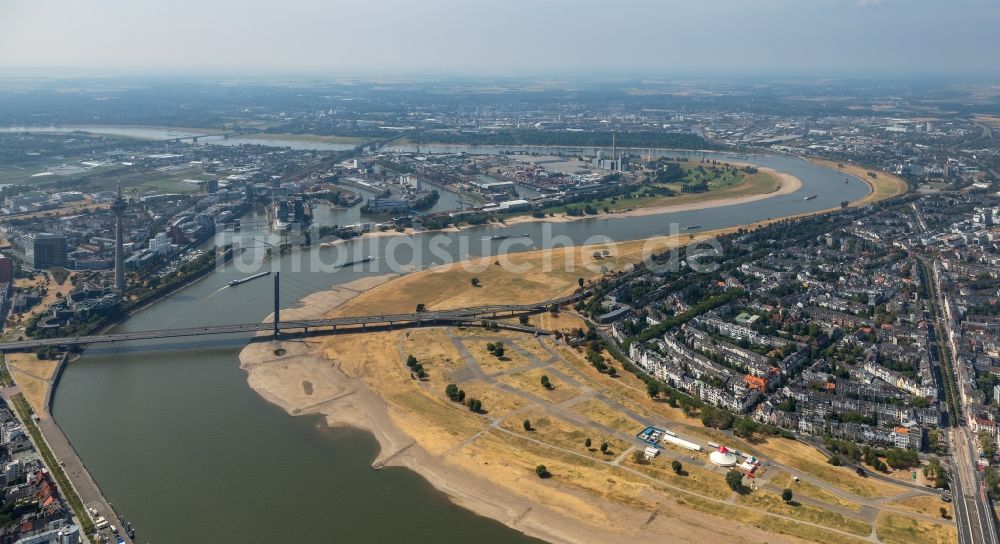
(973, 508)
(341, 325)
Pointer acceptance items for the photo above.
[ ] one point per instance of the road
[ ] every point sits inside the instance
(973, 510)
(458, 316)
(74, 468)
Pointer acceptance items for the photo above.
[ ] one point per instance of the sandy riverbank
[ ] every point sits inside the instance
(310, 377)
(787, 184)
(882, 187)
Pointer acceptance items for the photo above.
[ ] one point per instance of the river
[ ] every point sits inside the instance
(205, 136)
(187, 452)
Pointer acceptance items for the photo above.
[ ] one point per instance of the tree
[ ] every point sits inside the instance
(587, 443)
(523, 319)
(527, 424)
(554, 309)
(844, 203)
(491, 347)
(421, 307)
(498, 350)
(903, 459)
(542, 472)
(604, 447)
(676, 466)
(652, 389)
(475, 405)
(461, 395)
(475, 282)
(786, 495)
(411, 361)
(944, 512)
(546, 383)
(986, 443)
(744, 428)
(451, 391)
(735, 480)
(579, 281)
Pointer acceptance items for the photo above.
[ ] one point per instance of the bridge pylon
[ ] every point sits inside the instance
(277, 305)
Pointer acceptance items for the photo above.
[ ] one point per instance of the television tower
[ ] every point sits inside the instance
(118, 208)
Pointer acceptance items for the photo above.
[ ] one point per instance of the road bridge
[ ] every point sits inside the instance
(316, 327)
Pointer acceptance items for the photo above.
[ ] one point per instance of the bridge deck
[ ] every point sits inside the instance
(314, 326)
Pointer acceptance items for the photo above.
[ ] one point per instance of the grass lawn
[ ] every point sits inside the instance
(806, 489)
(32, 375)
(563, 434)
(896, 529)
(773, 503)
(530, 381)
(694, 479)
(599, 412)
(164, 182)
(731, 187)
(768, 523)
(926, 505)
(520, 278)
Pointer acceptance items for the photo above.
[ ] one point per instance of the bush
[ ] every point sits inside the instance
(542, 472)
(734, 479)
(639, 458)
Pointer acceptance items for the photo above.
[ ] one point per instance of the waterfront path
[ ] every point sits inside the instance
(74, 468)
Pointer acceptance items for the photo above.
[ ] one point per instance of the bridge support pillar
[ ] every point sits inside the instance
(277, 306)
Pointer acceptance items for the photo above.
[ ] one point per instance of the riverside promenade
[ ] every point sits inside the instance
(75, 470)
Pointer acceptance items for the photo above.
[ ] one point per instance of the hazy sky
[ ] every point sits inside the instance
(768, 37)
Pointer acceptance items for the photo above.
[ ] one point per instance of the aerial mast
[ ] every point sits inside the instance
(118, 209)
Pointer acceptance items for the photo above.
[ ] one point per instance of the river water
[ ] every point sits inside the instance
(205, 136)
(187, 452)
